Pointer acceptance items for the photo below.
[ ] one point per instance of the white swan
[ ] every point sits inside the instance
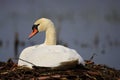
(48, 54)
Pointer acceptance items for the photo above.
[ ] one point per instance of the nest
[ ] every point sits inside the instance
(91, 71)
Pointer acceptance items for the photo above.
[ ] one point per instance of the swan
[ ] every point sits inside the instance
(48, 54)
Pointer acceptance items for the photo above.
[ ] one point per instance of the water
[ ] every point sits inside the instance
(86, 26)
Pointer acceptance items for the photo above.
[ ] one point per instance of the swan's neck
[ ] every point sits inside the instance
(50, 35)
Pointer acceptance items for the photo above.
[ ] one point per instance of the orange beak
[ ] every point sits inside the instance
(34, 32)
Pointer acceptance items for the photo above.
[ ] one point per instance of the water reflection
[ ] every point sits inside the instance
(16, 44)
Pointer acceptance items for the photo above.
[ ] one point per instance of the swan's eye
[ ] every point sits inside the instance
(35, 27)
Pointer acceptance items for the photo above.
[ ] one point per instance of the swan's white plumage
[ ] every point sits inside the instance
(48, 55)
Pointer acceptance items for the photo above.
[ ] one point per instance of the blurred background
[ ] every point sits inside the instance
(92, 27)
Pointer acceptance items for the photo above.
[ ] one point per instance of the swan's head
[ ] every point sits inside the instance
(39, 26)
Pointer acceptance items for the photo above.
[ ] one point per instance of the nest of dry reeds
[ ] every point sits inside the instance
(10, 71)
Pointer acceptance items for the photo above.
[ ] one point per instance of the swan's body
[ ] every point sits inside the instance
(48, 54)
